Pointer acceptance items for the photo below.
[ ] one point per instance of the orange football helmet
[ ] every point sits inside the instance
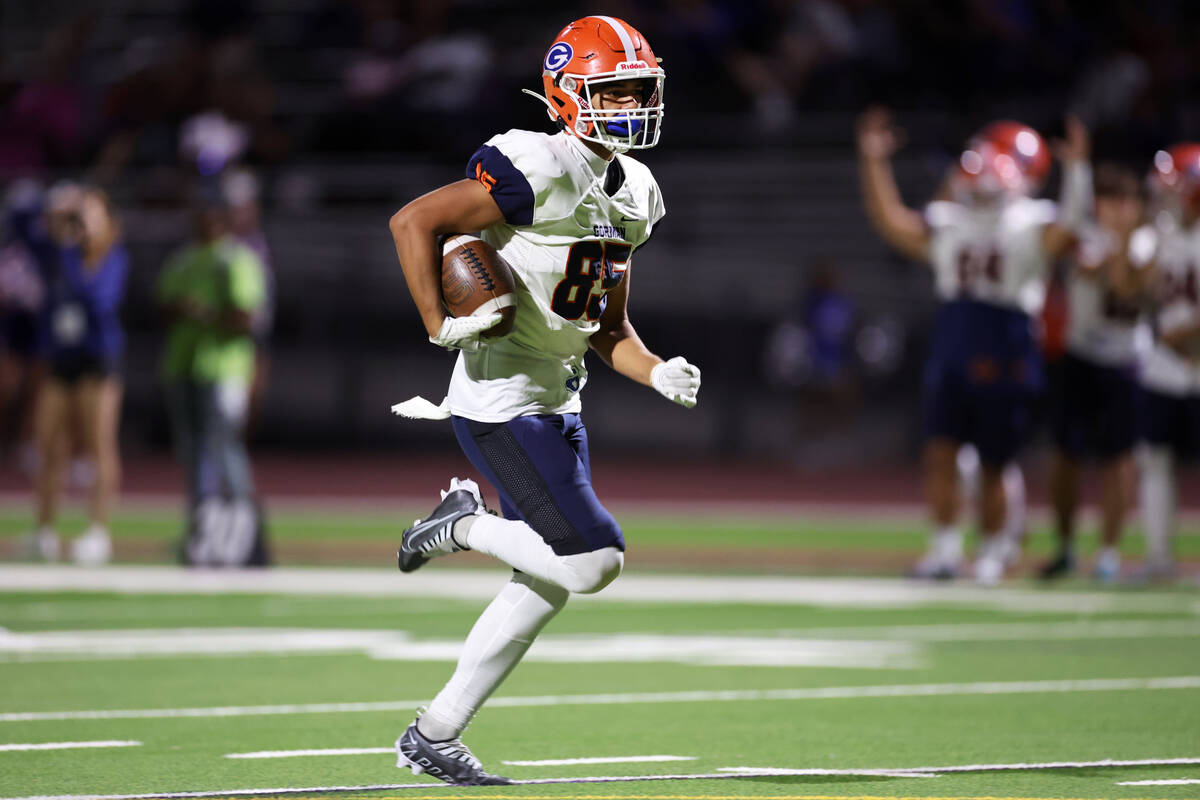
(1005, 158)
(588, 53)
(1175, 176)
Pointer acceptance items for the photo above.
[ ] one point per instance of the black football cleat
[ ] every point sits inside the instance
(434, 535)
(1061, 566)
(450, 761)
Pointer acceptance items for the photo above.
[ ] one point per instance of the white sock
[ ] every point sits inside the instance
(1158, 502)
(495, 644)
(1109, 558)
(967, 460)
(1014, 503)
(991, 545)
(947, 543)
(520, 546)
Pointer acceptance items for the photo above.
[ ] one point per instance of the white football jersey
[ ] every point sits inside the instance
(568, 242)
(1099, 328)
(994, 256)
(1163, 369)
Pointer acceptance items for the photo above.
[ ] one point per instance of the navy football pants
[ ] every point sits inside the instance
(539, 465)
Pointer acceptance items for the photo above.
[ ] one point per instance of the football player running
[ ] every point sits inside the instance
(1171, 370)
(1094, 412)
(989, 247)
(566, 211)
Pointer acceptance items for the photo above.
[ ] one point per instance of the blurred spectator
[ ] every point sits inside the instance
(21, 294)
(84, 268)
(211, 290)
(413, 81)
(241, 191)
(828, 315)
(203, 97)
(814, 351)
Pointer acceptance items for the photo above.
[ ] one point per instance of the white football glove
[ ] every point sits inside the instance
(462, 333)
(677, 380)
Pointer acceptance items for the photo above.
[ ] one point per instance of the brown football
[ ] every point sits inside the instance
(476, 280)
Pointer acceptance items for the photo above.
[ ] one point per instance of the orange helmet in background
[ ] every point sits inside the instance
(1005, 158)
(1175, 177)
(593, 51)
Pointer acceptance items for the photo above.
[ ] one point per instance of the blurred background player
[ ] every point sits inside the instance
(566, 211)
(1016, 510)
(1170, 412)
(989, 248)
(1094, 411)
(76, 242)
(210, 290)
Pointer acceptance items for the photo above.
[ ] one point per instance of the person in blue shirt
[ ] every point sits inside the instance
(76, 242)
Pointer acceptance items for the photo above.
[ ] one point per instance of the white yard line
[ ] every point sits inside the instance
(68, 745)
(733, 695)
(559, 762)
(432, 785)
(338, 751)
(1171, 782)
(999, 631)
(712, 649)
(483, 584)
(363, 751)
(1017, 767)
(731, 772)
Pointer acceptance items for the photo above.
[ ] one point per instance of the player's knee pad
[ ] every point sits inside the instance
(554, 596)
(588, 573)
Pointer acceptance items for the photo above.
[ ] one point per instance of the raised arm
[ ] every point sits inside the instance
(900, 226)
(1077, 196)
(460, 207)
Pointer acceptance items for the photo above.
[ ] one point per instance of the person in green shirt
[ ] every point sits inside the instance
(210, 289)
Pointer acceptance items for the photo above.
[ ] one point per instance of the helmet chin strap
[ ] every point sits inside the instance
(547, 103)
(617, 147)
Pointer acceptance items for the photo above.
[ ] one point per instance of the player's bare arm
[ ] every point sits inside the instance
(458, 207)
(1184, 340)
(1129, 275)
(622, 349)
(618, 343)
(900, 226)
(1074, 153)
(1057, 240)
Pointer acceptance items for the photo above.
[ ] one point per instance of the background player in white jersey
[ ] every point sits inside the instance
(1094, 409)
(566, 211)
(989, 248)
(1171, 370)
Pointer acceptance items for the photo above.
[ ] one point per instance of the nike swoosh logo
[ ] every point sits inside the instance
(628, 219)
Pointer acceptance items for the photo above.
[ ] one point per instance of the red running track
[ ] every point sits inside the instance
(405, 474)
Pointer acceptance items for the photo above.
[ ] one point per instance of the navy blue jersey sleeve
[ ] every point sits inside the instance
(507, 185)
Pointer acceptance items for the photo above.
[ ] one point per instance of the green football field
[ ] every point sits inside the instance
(714, 538)
(148, 679)
(726, 663)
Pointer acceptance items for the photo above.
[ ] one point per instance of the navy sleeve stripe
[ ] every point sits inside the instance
(508, 185)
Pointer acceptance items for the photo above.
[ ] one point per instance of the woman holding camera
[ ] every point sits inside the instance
(77, 245)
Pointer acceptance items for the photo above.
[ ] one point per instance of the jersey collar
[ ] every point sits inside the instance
(595, 164)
